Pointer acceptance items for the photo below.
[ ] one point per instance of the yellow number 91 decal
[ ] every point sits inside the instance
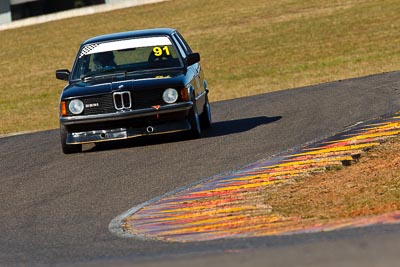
(158, 51)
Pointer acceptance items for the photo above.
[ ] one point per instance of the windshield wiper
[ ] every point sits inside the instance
(87, 77)
(102, 74)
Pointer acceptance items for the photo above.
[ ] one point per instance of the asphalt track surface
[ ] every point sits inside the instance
(55, 209)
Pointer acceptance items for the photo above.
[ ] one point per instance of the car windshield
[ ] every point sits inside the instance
(127, 55)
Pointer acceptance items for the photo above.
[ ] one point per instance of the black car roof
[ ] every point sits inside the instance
(130, 34)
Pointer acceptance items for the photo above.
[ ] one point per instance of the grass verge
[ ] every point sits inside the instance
(248, 47)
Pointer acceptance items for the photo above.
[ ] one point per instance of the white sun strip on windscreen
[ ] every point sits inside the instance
(124, 44)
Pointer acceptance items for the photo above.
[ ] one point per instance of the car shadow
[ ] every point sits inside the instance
(223, 128)
(220, 128)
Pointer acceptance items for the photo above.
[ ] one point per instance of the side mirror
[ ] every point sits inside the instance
(63, 74)
(192, 58)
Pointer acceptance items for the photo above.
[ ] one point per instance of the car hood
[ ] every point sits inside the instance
(134, 81)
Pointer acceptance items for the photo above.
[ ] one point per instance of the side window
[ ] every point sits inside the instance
(184, 44)
(179, 46)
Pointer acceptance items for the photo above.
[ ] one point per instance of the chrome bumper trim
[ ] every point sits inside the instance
(127, 114)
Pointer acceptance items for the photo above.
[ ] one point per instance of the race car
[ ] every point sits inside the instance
(130, 84)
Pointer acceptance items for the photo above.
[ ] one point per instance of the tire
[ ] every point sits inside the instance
(194, 120)
(68, 149)
(205, 117)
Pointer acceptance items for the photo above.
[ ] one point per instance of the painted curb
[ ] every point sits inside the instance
(218, 207)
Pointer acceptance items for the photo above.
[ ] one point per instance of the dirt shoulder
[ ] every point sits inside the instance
(369, 187)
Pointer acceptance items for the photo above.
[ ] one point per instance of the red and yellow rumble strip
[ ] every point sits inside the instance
(222, 207)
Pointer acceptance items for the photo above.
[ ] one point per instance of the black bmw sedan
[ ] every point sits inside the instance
(131, 84)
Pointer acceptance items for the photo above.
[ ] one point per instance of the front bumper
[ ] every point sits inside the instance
(126, 124)
(125, 133)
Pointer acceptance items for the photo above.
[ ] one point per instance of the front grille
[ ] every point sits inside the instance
(122, 100)
(147, 98)
(112, 102)
(102, 104)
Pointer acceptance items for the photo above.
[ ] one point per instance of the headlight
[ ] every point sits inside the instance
(76, 106)
(170, 96)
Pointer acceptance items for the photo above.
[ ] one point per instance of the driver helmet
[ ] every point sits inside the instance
(104, 59)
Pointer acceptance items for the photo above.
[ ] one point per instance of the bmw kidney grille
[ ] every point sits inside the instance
(122, 100)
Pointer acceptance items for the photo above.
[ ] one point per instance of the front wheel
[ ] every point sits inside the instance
(68, 149)
(205, 117)
(194, 120)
